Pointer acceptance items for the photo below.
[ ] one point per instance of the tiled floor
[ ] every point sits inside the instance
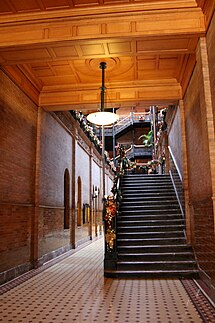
(74, 290)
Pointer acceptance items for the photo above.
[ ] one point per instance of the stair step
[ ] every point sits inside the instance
(165, 256)
(150, 228)
(149, 204)
(152, 194)
(179, 248)
(147, 183)
(161, 176)
(152, 274)
(148, 217)
(151, 235)
(149, 223)
(151, 199)
(156, 265)
(147, 211)
(154, 241)
(149, 188)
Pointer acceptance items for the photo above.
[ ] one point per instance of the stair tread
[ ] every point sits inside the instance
(153, 232)
(143, 239)
(155, 271)
(156, 246)
(156, 262)
(151, 226)
(157, 254)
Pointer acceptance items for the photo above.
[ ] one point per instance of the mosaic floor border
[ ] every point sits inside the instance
(200, 301)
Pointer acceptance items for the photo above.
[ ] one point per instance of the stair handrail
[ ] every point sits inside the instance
(118, 156)
(175, 173)
(123, 123)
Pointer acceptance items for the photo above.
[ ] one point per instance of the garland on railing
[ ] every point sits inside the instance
(85, 126)
(88, 130)
(110, 213)
(113, 201)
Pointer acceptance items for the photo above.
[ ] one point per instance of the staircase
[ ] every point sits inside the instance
(150, 231)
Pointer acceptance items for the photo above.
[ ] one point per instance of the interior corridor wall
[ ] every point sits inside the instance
(199, 169)
(211, 60)
(175, 139)
(18, 120)
(55, 158)
(83, 170)
(35, 150)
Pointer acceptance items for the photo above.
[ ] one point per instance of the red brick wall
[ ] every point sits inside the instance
(18, 116)
(55, 157)
(211, 59)
(175, 139)
(199, 173)
(197, 145)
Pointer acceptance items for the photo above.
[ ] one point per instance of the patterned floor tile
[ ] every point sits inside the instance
(75, 290)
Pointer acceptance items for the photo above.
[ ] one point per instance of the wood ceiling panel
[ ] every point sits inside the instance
(121, 28)
(156, 74)
(59, 80)
(65, 51)
(20, 56)
(90, 97)
(56, 4)
(5, 8)
(165, 45)
(146, 45)
(25, 5)
(85, 2)
(120, 47)
(92, 50)
(168, 63)
(146, 64)
(117, 1)
(41, 70)
(63, 69)
(86, 30)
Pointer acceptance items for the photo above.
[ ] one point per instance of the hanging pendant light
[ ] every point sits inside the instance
(102, 118)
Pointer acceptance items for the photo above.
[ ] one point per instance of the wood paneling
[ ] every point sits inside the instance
(26, 6)
(52, 48)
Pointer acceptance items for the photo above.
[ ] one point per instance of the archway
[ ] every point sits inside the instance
(79, 202)
(66, 199)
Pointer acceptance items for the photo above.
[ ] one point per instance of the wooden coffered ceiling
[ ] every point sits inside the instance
(52, 49)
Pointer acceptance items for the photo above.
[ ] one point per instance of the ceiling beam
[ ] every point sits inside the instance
(91, 10)
(159, 23)
(149, 91)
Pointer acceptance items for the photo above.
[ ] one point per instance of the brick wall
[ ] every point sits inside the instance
(55, 157)
(211, 59)
(199, 168)
(174, 138)
(18, 117)
(197, 145)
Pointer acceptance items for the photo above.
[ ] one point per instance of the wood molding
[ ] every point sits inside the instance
(59, 12)
(139, 24)
(23, 82)
(163, 91)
